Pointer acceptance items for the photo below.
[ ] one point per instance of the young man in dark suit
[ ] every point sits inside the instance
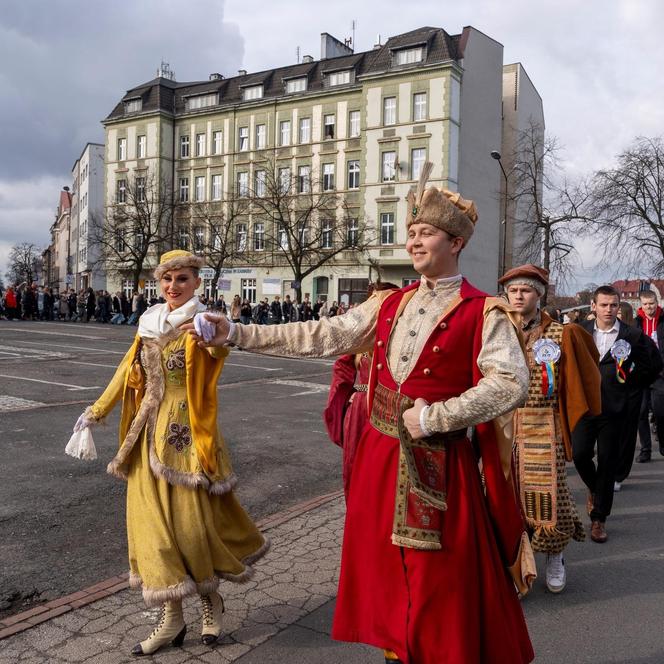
(628, 358)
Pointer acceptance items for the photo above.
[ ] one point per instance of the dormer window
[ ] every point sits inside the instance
(409, 56)
(252, 92)
(133, 105)
(201, 101)
(339, 78)
(296, 85)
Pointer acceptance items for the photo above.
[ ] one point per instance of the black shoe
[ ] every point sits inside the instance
(643, 458)
(393, 661)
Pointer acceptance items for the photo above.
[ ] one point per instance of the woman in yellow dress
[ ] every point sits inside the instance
(186, 529)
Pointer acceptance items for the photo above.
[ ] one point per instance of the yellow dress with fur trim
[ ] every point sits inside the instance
(186, 529)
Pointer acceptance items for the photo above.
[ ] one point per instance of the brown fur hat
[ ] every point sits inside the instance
(176, 260)
(440, 208)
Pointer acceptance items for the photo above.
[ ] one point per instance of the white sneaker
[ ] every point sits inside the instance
(617, 486)
(556, 578)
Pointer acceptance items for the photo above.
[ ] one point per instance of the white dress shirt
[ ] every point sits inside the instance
(604, 339)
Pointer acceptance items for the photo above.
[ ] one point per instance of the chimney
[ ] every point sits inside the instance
(216, 77)
(242, 72)
(377, 44)
(307, 58)
(331, 47)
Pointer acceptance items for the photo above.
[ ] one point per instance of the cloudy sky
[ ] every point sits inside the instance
(65, 63)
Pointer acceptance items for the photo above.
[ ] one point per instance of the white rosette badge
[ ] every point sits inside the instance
(547, 353)
(620, 352)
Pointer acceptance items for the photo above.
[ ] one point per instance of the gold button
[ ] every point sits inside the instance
(436, 349)
(379, 344)
(379, 366)
(443, 326)
(427, 372)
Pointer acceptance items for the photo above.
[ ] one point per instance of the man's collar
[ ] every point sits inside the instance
(439, 282)
(615, 328)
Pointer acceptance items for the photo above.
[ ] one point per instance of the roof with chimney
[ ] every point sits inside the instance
(166, 95)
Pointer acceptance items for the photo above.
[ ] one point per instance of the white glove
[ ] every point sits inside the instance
(82, 422)
(205, 328)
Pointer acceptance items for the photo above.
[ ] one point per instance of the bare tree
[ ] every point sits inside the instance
(628, 203)
(136, 226)
(548, 210)
(299, 221)
(24, 263)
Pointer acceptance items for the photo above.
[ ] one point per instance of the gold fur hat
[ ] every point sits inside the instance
(440, 208)
(176, 260)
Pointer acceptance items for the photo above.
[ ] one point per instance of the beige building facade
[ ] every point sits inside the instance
(360, 124)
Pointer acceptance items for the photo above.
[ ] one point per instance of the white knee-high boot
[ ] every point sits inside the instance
(213, 608)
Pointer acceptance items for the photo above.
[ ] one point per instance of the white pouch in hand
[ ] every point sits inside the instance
(81, 445)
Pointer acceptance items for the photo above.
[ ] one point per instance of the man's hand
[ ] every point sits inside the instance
(411, 419)
(217, 336)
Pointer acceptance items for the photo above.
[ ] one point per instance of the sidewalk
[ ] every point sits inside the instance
(610, 612)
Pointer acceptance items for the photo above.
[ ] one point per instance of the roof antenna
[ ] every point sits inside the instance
(297, 55)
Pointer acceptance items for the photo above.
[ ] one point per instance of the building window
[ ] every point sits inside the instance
(354, 124)
(328, 177)
(122, 149)
(419, 106)
(339, 78)
(296, 85)
(284, 132)
(259, 236)
(216, 142)
(150, 289)
(241, 237)
(282, 237)
(253, 92)
(303, 233)
(329, 126)
(259, 184)
(417, 158)
(200, 145)
(304, 179)
(387, 228)
(140, 190)
(184, 147)
(353, 232)
(244, 139)
(139, 240)
(407, 281)
(284, 180)
(184, 190)
(183, 237)
(326, 235)
(354, 174)
(305, 130)
(128, 287)
(389, 110)
(260, 136)
(408, 56)
(216, 187)
(133, 106)
(388, 169)
(201, 101)
(120, 245)
(353, 291)
(243, 184)
(199, 238)
(199, 182)
(248, 290)
(121, 191)
(141, 147)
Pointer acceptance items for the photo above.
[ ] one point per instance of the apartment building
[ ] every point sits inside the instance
(87, 213)
(361, 124)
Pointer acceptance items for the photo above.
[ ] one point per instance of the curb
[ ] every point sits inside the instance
(21, 622)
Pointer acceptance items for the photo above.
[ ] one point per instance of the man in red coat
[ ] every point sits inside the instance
(433, 523)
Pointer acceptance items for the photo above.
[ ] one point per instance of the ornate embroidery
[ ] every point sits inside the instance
(179, 435)
(175, 360)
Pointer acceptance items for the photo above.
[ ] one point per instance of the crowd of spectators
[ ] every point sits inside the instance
(34, 302)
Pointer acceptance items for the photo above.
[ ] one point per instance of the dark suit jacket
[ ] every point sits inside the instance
(642, 366)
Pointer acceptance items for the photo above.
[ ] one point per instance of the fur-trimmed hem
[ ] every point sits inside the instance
(135, 581)
(157, 596)
(90, 414)
(114, 468)
(224, 486)
(172, 476)
(208, 586)
(247, 561)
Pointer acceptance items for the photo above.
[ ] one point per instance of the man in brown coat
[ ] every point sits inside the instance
(564, 386)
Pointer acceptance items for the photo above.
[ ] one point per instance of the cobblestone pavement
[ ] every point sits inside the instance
(297, 576)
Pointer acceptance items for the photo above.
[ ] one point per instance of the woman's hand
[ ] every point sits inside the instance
(209, 329)
(83, 422)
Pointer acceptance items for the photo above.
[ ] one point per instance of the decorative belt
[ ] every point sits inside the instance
(387, 409)
(361, 388)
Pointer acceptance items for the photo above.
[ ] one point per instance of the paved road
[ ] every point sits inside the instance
(62, 520)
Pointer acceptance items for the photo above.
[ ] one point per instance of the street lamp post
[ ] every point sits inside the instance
(503, 263)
